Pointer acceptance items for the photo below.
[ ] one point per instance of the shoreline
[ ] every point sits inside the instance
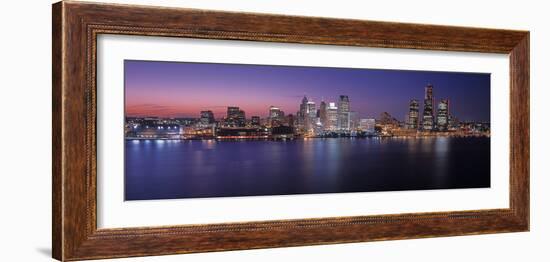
(307, 138)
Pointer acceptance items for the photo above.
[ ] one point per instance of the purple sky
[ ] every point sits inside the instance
(177, 89)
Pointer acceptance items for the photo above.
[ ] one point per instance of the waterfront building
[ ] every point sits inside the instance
(343, 113)
(352, 120)
(301, 115)
(276, 116)
(311, 114)
(242, 133)
(298, 122)
(255, 121)
(454, 123)
(186, 121)
(282, 132)
(367, 125)
(241, 119)
(443, 115)
(155, 131)
(235, 117)
(332, 117)
(232, 111)
(428, 114)
(290, 120)
(207, 117)
(275, 112)
(412, 118)
(323, 113)
(198, 132)
(232, 115)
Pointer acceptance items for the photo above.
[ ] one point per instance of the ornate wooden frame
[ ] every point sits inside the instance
(76, 26)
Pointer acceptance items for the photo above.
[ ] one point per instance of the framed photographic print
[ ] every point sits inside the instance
(182, 130)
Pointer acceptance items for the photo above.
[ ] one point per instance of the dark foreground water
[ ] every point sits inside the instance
(158, 169)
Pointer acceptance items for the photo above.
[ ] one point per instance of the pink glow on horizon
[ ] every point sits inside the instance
(171, 107)
(180, 89)
(182, 102)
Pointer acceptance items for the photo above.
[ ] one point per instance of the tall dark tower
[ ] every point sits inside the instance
(235, 117)
(301, 115)
(343, 113)
(323, 113)
(311, 115)
(207, 117)
(413, 114)
(428, 114)
(443, 115)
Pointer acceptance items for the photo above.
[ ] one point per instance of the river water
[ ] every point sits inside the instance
(168, 169)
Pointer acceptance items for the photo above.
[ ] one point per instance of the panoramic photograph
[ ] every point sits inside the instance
(197, 130)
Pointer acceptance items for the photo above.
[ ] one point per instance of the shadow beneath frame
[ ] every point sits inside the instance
(46, 251)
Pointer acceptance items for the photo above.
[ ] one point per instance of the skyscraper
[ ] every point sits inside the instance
(276, 116)
(413, 114)
(255, 121)
(311, 115)
(428, 114)
(323, 113)
(343, 113)
(232, 114)
(302, 115)
(235, 117)
(207, 117)
(241, 119)
(290, 120)
(332, 117)
(443, 115)
(275, 112)
(353, 121)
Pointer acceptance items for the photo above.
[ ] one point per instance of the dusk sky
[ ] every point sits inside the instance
(177, 89)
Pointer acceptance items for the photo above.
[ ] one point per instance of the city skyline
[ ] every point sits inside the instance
(176, 89)
(221, 130)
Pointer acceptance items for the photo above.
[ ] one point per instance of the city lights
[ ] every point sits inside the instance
(330, 119)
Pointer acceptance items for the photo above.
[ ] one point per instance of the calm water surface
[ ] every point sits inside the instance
(158, 169)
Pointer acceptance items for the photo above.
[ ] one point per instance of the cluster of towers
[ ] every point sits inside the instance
(235, 117)
(429, 121)
(337, 116)
(329, 117)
